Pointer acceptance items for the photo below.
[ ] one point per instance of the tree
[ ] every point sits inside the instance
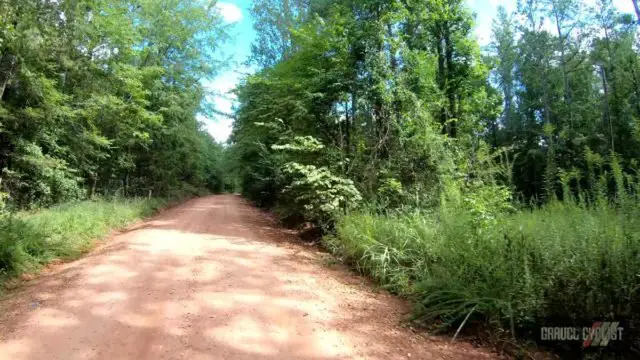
(94, 93)
(505, 52)
(365, 79)
(354, 82)
(273, 22)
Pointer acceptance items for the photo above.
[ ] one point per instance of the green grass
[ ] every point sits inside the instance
(30, 240)
(559, 264)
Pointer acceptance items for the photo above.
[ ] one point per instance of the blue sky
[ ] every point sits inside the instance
(236, 13)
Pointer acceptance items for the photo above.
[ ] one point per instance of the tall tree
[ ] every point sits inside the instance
(93, 93)
(274, 21)
(505, 51)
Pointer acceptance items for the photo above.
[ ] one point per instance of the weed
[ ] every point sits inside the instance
(30, 240)
(565, 263)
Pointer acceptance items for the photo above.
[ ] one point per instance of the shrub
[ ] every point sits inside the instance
(41, 180)
(317, 194)
(3, 200)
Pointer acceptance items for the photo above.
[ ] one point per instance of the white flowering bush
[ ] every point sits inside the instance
(317, 194)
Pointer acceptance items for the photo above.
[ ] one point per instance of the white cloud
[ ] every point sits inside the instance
(220, 90)
(224, 103)
(230, 12)
(220, 126)
(625, 6)
(224, 83)
(483, 33)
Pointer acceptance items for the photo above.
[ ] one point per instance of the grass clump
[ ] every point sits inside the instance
(30, 240)
(563, 263)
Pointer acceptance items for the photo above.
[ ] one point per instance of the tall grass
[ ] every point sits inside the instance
(563, 263)
(30, 240)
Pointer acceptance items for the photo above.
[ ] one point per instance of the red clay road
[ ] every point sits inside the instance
(213, 278)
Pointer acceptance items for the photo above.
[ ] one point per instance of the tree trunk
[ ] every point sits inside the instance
(347, 135)
(606, 112)
(635, 7)
(451, 88)
(563, 68)
(93, 188)
(636, 88)
(7, 67)
(442, 79)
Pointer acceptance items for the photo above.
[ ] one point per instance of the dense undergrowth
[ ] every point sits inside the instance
(30, 240)
(563, 264)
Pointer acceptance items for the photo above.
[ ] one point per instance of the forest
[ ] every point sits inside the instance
(99, 97)
(497, 187)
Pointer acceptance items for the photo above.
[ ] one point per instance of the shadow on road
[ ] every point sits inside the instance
(212, 279)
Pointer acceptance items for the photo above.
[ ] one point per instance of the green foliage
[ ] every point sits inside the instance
(560, 264)
(3, 200)
(390, 191)
(566, 89)
(43, 180)
(28, 241)
(301, 144)
(102, 97)
(337, 102)
(317, 194)
(492, 176)
(486, 203)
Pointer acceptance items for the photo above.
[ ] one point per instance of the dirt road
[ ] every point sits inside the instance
(211, 279)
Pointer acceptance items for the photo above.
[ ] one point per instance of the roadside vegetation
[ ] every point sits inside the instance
(29, 240)
(562, 263)
(496, 186)
(100, 103)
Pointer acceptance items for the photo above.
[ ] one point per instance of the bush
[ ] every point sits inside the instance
(317, 194)
(3, 200)
(39, 179)
(563, 263)
(27, 241)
